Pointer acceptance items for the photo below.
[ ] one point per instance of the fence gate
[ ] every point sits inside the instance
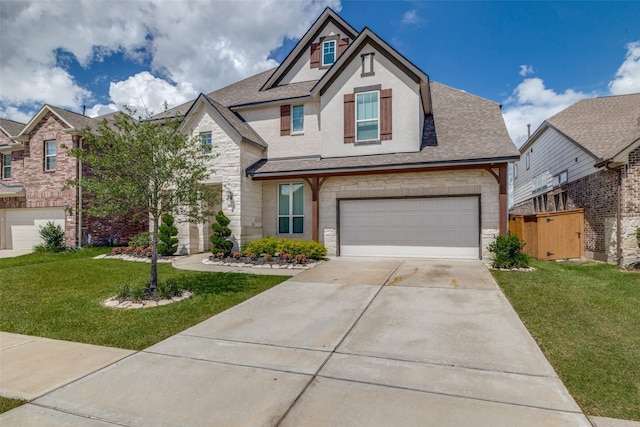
(551, 235)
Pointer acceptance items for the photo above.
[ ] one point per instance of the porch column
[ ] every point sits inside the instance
(315, 183)
(503, 200)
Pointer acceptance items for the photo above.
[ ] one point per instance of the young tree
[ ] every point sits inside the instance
(146, 167)
(167, 242)
(221, 233)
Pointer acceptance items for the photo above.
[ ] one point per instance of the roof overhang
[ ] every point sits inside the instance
(12, 190)
(620, 158)
(385, 169)
(9, 148)
(24, 135)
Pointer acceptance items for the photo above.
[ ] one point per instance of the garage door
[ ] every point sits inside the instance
(438, 227)
(23, 225)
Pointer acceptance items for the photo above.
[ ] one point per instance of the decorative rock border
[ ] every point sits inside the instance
(288, 266)
(115, 302)
(139, 259)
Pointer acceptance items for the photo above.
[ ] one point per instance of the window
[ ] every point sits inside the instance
(515, 171)
(297, 119)
(290, 208)
(560, 179)
(6, 166)
(50, 155)
(367, 113)
(207, 143)
(527, 161)
(539, 182)
(328, 52)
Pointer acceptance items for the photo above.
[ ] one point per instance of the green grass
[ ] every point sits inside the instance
(586, 318)
(58, 296)
(7, 404)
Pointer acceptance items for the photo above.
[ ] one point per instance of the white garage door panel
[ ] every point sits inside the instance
(442, 227)
(23, 225)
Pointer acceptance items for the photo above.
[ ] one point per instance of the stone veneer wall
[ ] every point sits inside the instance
(389, 185)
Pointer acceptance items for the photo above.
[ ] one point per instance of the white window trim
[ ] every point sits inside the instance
(297, 132)
(367, 120)
(335, 52)
(6, 167)
(47, 156)
(290, 216)
(527, 161)
(202, 150)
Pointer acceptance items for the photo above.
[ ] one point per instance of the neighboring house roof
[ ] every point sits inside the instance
(11, 128)
(73, 121)
(470, 130)
(604, 126)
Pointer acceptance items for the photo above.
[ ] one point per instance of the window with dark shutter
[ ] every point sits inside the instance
(386, 120)
(315, 55)
(349, 118)
(285, 119)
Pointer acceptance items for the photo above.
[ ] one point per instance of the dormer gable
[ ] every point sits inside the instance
(315, 52)
(356, 52)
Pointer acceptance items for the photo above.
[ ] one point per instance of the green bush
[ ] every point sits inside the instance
(507, 252)
(220, 238)
(167, 242)
(142, 240)
(53, 237)
(272, 245)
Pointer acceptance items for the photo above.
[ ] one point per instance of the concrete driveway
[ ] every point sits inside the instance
(351, 342)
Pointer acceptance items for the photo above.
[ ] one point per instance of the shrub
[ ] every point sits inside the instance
(271, 245)
(167, 242)
(53, 237)
(507, 252)
(141, 239)
(301, 258)
(220, 237)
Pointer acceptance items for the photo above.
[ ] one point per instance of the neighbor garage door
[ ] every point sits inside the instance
(437, 227)
(23, 225)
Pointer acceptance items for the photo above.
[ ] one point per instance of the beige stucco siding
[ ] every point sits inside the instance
(466, 182)
(266, 122)
(406, 107)
(301, 70)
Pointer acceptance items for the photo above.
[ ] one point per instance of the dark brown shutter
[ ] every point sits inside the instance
(285, 119)
(315, 55)
(349, 118)
(385, 115)
(342, 45)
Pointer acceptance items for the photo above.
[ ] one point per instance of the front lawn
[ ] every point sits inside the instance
(586, 318)
(58, 296)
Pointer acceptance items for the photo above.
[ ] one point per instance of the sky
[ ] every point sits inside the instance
(534, 58)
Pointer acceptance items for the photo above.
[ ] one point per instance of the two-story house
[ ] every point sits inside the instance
(349, 143)
(588, 156)
(35, 167)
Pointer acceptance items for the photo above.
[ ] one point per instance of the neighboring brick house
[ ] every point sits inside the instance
(35, 168)
(348, 143)
(588, 156)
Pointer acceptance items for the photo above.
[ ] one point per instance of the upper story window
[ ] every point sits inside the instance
(50, 155)
(6, 166)
(527, 161)
(515, 171)
(291, 208)
(367, 115)
(328, 52)
(206, 141)
(297, 119)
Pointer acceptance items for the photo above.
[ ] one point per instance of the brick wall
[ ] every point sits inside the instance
(631, 186)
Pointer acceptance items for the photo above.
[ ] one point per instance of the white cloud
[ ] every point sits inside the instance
(192, 46)
(411, 17)
(627, 79)
(532, 103)
(526, 70)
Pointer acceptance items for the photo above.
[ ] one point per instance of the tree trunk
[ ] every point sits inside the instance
(154, 255)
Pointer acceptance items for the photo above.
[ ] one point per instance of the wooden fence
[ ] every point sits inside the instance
(551, 235)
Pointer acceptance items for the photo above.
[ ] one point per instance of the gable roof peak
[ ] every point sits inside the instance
(328, 15)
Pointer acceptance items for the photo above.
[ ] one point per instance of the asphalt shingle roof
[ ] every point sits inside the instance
(469, 129)
(13, 128)
(604, 126)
